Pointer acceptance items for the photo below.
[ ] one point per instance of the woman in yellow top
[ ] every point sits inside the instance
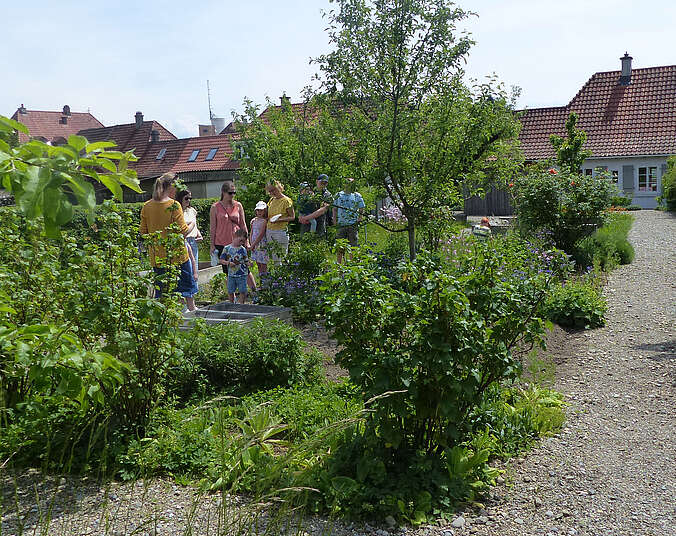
(280, 213)
(158, 214)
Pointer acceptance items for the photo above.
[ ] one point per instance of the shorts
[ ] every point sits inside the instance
(237, 283)
(186, 286)
(350, 232)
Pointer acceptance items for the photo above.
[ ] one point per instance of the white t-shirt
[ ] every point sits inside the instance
(190, 216)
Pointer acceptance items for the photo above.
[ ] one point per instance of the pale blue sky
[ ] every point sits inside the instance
(155, 56)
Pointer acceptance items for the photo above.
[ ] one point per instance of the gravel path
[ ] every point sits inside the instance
(611, 472)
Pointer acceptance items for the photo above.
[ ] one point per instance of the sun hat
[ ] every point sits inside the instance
(323, 178)
(261, 205)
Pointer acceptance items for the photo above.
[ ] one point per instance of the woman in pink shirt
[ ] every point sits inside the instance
(225, 217)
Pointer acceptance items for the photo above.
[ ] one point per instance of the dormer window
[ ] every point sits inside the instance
(161, 154)
(194, 155)
(212, 154)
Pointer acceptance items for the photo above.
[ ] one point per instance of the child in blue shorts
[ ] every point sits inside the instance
(236, 258)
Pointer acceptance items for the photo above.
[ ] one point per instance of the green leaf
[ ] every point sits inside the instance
(109, 182)
(15, 125)
(78, 142)
(97, 146)
(343, 485)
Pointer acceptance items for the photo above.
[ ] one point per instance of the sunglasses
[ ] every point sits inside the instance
(232, 193)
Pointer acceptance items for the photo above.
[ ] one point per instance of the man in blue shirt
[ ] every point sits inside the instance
(348, 208)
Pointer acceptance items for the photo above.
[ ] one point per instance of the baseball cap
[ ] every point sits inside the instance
(304, 185)
(261, 205)
(323, 178)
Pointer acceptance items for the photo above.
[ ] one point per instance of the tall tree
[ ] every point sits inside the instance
(397, 70)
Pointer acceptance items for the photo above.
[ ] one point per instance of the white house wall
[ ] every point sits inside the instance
(643, 199)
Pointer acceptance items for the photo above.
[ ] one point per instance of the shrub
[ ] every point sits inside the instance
(238, 359)
(425, 351)
(568, 205)
(608, 246)
(578, 303)
(634, 207)
(669, 184)
(620, 201)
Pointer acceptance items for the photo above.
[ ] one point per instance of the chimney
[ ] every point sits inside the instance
(154, 136)
(66, 110)
(283, 99)
(139, 119)
(64, 119)
(625, 77)
(23, 110)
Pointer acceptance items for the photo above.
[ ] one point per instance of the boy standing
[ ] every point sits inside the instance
(236, 258)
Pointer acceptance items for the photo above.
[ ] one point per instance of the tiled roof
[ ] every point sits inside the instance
(49, 125)
(634, 120)
(179, 151)
(128, 136)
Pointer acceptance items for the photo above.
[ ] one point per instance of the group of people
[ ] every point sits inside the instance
(230, 240)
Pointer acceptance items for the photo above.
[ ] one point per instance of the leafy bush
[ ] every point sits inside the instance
(425, 351)
(578, 303)
(237, 359)
(669, 184)
(568, 205)
(292, 283)
(620, 201)
(608, 245)
(634, 207)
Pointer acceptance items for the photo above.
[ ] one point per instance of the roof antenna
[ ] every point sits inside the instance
(211, 115)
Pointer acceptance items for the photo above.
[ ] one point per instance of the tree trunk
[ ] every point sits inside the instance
(411, 239)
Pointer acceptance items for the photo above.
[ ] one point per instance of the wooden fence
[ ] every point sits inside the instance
(495, 203)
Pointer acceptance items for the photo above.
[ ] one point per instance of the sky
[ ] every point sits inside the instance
(116, 58)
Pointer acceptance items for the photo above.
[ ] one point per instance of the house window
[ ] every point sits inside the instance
(161, 154)
(194, 155)
(211, 154)
(588, 171)
(647, 179)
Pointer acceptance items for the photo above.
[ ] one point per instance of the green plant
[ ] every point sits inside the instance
(577, 303)
(292, 282)
(669, 184)
(569, 152)
(240, 359)
(634, 207)
(570, 206)
(620, 201)
(425, 350)
(608, 245)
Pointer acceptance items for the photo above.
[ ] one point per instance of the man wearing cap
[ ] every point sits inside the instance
(320, 203)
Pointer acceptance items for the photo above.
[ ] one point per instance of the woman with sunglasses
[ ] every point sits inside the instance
(190, 216)
(225, 217)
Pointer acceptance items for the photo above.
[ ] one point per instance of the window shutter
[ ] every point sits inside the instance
(663, 170)
(628, 178)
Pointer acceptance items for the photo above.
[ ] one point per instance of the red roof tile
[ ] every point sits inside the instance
(50, 125)
(638, 119)
(178, 152)
(128, 136)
